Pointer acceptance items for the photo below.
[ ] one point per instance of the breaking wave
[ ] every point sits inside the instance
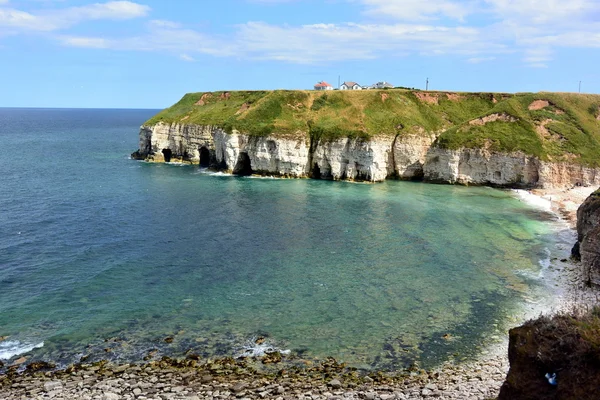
(259, 347)
(534, 200)
(12, 348)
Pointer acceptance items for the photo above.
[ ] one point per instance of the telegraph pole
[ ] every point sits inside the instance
(427, 84)
(579, 86)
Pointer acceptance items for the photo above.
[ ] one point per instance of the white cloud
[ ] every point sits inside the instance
(159, 23)
(64, 18)
(544, 11)
(479, 60)
(186, 57)
(22, 20)
(115, 10)
(411, 10)
(87, 42)
(162, 36)
(477, 30)
(538, 57)
(306, 44)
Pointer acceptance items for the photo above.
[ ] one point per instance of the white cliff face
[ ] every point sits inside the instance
(185, 141)
(354, 159)
(410, 154)
(280, 156)
(405, 157)
(227, 147)
(559, 175)
(481, 167)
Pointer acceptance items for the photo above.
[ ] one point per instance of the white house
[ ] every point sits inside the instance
(350, 86)
(323, 86)
(382, 85)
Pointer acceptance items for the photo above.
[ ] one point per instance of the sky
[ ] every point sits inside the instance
(148, 54)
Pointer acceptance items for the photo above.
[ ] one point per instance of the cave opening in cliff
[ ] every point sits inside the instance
(167, 154)
(316, 172)
(204, 157)
(243, 166)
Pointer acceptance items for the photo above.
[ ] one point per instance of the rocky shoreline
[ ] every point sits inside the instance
(248, 379)
(237, 379)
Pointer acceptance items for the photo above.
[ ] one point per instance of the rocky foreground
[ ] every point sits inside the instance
(236, 379)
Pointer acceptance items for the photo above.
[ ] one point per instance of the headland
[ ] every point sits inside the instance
(525, 140)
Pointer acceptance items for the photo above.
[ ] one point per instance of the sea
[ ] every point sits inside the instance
(105, 257)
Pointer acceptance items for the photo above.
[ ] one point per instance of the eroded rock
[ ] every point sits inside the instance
(587, 248)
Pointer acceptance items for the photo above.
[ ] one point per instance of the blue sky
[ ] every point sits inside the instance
(147, 54)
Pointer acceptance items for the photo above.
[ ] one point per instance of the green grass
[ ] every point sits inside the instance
(573, 131)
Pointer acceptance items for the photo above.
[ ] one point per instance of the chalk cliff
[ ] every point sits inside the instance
(374, 159)
(524, 140)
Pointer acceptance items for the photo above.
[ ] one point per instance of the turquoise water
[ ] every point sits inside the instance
(105, 257)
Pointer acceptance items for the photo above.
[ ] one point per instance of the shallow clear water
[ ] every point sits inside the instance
(99, 252)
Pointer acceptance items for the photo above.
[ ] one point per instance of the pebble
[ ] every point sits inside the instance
(53, 385)
(335, 383)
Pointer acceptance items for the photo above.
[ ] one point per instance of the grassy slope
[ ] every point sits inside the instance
(572, 131)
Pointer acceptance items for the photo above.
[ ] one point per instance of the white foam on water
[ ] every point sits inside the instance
(206, 171)
(264, 177)
(12, 348)
(536, 201)
(253, 349)
(545, 262)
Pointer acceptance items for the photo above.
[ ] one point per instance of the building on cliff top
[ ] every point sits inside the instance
(350, 86)
(382, 85)
(323, 86)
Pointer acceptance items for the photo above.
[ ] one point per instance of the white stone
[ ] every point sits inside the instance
(53, 385)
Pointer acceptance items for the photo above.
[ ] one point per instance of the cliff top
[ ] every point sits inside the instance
(551, 126)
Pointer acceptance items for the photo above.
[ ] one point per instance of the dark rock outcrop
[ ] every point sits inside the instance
(564, 345)
(587, 248)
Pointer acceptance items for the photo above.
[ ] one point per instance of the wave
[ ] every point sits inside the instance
(264, 177)
(258, 348)
(534, 200)
(206, 171)
(12, 348)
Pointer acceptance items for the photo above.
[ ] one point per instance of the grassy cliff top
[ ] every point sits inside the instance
(552, 126)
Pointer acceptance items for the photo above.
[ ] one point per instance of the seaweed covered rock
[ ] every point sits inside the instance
(555, 358)
(587, 247)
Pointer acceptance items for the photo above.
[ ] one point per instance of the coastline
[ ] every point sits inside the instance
(564, 273)
(565, 202)
(227, 378)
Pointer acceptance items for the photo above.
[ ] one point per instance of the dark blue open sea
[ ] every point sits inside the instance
(104, 257)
